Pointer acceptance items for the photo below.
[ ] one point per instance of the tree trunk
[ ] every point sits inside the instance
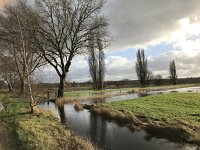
(22, 88)
(26, 72)
(22, 80)
(61, 87)
(10, 88)
(61, 110)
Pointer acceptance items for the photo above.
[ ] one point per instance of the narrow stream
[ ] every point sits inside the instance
(109, 135)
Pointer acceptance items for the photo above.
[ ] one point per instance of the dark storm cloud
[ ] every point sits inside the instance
(137, 22)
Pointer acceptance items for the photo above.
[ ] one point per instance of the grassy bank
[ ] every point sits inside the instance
(21, 130)
(174, 116)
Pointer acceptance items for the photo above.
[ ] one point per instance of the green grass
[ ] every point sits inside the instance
(22, 130)
(174, 116)
(165, 107)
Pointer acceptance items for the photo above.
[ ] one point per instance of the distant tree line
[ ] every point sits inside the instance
(158, 81)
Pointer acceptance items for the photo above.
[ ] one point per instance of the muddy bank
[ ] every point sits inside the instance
(172, 131)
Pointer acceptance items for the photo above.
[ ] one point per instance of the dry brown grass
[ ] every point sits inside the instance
(79, 143)
(38, 110)
(78, 107)
(67, 100)
(118, 116)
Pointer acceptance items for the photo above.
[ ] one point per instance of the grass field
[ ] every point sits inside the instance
(177, 115)
(21, 130)
(166, 107)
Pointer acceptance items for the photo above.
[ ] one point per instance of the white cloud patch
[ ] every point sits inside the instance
(79, 70)
(118, 68)
(186, 55)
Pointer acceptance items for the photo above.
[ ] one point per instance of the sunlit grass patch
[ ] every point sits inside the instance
(168, 107)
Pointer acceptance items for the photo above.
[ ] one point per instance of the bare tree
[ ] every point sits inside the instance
(141, 67)
(15, 38)
(172, 72)
(16, 34)
(8, 71)
(64, 31)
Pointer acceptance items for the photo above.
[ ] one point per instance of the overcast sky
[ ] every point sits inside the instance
(166, 29)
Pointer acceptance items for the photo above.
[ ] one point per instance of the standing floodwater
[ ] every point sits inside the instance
(108, 134)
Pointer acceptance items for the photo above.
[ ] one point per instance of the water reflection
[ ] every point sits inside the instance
(61, 110)
(97, 129)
